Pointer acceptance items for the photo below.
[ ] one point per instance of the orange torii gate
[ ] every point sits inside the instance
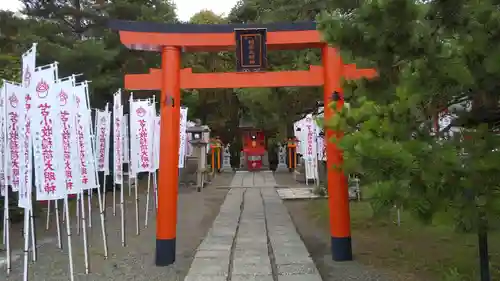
(251, 43)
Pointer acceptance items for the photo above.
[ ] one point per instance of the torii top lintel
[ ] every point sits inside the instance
(147, 36)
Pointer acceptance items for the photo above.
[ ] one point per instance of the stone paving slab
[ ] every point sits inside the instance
(213, 255)
(240, 267)
(297, 193)
(252, 278)
(248, 180)
(297, 268)
(249, 259)
(253, 238)
(301, 277)
(290, 254)
(208, 266)
(291, 257)
(205, 278)
(253, 179)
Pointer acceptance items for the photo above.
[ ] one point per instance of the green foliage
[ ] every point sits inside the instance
(75, 34)
(320, 190)
(207, 17)
(453, 275)
(219, 108)
(10, 67)
(426, 61)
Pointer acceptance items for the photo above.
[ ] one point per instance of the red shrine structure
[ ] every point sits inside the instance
(250, 42)
(253, 146)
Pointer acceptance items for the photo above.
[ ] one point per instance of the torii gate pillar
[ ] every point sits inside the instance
(338, 196)
(169, 158)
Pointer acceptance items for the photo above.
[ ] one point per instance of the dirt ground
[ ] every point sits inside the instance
(196, 212)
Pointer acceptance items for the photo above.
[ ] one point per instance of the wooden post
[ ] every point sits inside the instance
(212, 154)
(292, 154)
(166, 219)
(338, 197)
(218, 158)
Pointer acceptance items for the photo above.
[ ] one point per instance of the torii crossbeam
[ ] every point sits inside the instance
(170, 40)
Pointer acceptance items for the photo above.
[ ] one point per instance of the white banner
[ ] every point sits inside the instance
(189, 146)
(102, 140)
(134, 149)
(156, 151)
(182, 136)
(26, 151)
(47, 137)
(299, 130)
(85, 152)
(142, 128)
(151, 139)
(15, 137)
(108, 141)
(310, 155)
(321, 147)
(67, 116)
(3, 141)
(126, 139)
(117, 138)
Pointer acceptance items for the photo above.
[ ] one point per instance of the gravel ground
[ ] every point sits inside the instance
(317, 241)
(196, 212)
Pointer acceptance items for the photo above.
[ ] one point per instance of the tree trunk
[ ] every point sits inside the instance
(484, 259)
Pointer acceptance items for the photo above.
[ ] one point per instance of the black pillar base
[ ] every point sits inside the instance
(165, 252)
(341, 249)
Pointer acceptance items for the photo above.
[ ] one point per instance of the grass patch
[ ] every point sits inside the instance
(432, 252)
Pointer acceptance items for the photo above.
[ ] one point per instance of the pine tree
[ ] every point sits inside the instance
(431, 56)
(75, 33)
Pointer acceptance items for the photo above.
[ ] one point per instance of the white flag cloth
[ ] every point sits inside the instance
(182, 136)
(84, 140)
(156, 152)
(310, 148)
(126, 141)
(108, 141)
(151, 137)
(321, 147)
(142, 126)
(102, 140)
(301, 136)
(26, 151)
(67, 117)
(134, 148)
(117, 138)
(3, 141)
(46, 136)
(189, 146)
(15, 120)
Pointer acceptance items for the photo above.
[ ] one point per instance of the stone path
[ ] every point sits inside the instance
(249, 179)
(297, 193)
(253, 238)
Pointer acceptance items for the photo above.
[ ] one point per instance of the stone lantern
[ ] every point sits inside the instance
(198, 141)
